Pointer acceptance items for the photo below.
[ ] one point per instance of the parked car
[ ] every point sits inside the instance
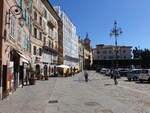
(124, 72)
(103, 70)
(134, 74)
(145, 75)
(98, 69)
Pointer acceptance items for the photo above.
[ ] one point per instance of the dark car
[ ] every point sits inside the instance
(123, 72)
(98, 69)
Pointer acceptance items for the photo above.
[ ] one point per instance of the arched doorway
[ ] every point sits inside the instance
(49, 70)
(37, 67)
(17, 77)
(45, 69)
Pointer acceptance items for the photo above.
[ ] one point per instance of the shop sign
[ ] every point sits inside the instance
(10, 76)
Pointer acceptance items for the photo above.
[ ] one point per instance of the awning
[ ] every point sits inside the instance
(63, 66)
(25, 59)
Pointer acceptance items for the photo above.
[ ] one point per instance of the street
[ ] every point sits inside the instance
(74, 95)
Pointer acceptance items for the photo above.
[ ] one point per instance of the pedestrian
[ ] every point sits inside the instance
(86, 76)
(115, 77)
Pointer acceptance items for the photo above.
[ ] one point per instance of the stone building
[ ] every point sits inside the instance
(70, 40)
(107, 52)
(87, 53)
(45, 37)
(81, 55)
(30, 35)
(15, 34)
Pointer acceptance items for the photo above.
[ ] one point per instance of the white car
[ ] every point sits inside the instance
(144, 75)
(103, 70)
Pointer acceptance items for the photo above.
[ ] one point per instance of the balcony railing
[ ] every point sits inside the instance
(37, 24)
(50, 48)
(51, 24)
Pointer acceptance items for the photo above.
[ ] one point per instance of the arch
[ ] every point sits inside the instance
(45, 69)
(37, 67)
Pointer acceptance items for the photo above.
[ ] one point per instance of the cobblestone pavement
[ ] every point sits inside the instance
(29, 99)
(99, 95)
(74, 95)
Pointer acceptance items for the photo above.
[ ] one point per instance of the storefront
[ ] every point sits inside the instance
(14, 72)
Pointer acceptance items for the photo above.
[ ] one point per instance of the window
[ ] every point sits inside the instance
(40, 52)
(35, 15)
(12, 26)
(98, 52)
(35, 32)
(124, 51)
(111, 57)
(41, 21)
(110, 51)
(44, 40)
(34, 50)
(40, 35)
(104, 52)
(104, 57)
(19, 33)
(45, 13)
(49, 43)
(52, 44)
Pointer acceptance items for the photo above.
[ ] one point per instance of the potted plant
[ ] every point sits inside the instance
(32, 78)
(46, 77)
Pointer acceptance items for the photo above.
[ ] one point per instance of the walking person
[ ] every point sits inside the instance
(86, 76)
(115, 77)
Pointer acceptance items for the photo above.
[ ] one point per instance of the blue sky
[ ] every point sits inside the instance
(96, 17)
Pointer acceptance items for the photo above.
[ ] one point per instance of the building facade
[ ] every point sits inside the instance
(107, 52)
(30, 36)
(45, 37)
(87, 53)
(70, 40)
(81, 55)
(15, 44)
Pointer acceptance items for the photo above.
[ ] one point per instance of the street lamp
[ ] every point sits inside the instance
(17, 12)
(116, 32)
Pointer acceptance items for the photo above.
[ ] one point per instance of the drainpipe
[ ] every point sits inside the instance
(1, 39)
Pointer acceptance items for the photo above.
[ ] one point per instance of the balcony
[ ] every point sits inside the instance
(51, 24)
(50, 49)
(37, 24)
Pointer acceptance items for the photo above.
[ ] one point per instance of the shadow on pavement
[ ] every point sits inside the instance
(84, 80)
(146, 82)
(108, 84)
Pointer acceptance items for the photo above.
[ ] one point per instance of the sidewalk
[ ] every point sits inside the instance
(29, 99)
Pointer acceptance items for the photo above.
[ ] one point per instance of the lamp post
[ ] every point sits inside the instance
(17, 12)
(116, 32)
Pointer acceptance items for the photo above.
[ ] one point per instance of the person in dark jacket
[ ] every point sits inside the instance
(115, 77)
(86, 76)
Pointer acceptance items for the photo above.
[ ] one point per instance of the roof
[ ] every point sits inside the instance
(50, 8)
(111, 46)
